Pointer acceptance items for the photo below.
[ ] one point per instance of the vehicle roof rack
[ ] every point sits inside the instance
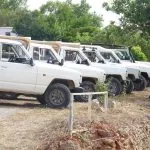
(24, 40)
(108, 46)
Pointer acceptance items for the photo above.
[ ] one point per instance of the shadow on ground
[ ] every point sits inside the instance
(21, 103)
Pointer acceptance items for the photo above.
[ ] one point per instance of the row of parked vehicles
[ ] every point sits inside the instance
(51, 70)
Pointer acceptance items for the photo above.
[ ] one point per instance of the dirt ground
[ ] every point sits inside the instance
(26, 125)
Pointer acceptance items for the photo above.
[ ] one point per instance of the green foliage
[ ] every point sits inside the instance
(70, 22)
(59, 21)
(134, 13)
(138, 54)
(101, 87)
(10, 10)
(12, 4)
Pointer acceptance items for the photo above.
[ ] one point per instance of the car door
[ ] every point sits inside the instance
(16, 76)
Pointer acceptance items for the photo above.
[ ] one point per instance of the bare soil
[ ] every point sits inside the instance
(26, 125)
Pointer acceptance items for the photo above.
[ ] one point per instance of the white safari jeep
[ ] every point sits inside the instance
(20, 75)
(117, 76)
(106, 56)
(75, 59)
(42, 51)
(126, 57)
(77, 56)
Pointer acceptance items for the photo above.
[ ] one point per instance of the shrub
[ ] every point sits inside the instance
(101, 87)
(138, 53)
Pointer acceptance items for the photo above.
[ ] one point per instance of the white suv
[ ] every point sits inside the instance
(20, 75)
(106, 56)
(75, 56)
(125, 57)
(42, 51)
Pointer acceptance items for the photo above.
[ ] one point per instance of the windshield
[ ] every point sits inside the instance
(10, 52)
(44, 54)
(93, 57)
(109, 57)
(123, 55)
(74, 56)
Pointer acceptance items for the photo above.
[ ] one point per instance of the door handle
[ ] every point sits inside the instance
(4, 67)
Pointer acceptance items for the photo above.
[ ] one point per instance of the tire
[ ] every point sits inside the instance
(114, 86)
(57, 96)
(130, 86)
(41, 99)
(148, 83)
(87, 86)
(140, 86)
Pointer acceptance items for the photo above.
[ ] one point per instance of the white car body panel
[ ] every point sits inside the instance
(143, 62)
(87, 71)
(112, 70)
(134, 70)
(142, 67)
(27, 79)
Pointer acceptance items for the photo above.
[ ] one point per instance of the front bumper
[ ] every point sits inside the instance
(77, 90)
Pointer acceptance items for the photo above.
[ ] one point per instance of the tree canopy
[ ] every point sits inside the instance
(135, 14)
(71, 22)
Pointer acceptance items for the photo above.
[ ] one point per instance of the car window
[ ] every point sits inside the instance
(47, 54)
(123, 55)
(73, 56)
(36, 54)
(11, 52)
(109, 57)
(93, 57)
(7, 52)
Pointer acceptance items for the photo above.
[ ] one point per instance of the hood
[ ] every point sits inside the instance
(87, 71)
(142, 67)
(143, 62)
(112, 69)
(57, 67)
(56, 71)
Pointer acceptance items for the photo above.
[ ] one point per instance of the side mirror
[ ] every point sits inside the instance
(62, 62)
(31, 62)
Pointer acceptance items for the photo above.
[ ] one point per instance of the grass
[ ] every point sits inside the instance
(32, 126)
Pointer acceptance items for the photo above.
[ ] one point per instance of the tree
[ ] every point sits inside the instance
(9, 11)
(12, 4)
(59, 21)
(134, 13)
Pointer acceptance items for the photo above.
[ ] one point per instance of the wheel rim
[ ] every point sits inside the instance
(113, 88)
(56, 97)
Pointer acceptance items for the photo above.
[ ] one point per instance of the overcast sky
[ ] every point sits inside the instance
(95, 4)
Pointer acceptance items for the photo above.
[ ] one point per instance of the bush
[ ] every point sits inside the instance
(138, 53)
(101, 87)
